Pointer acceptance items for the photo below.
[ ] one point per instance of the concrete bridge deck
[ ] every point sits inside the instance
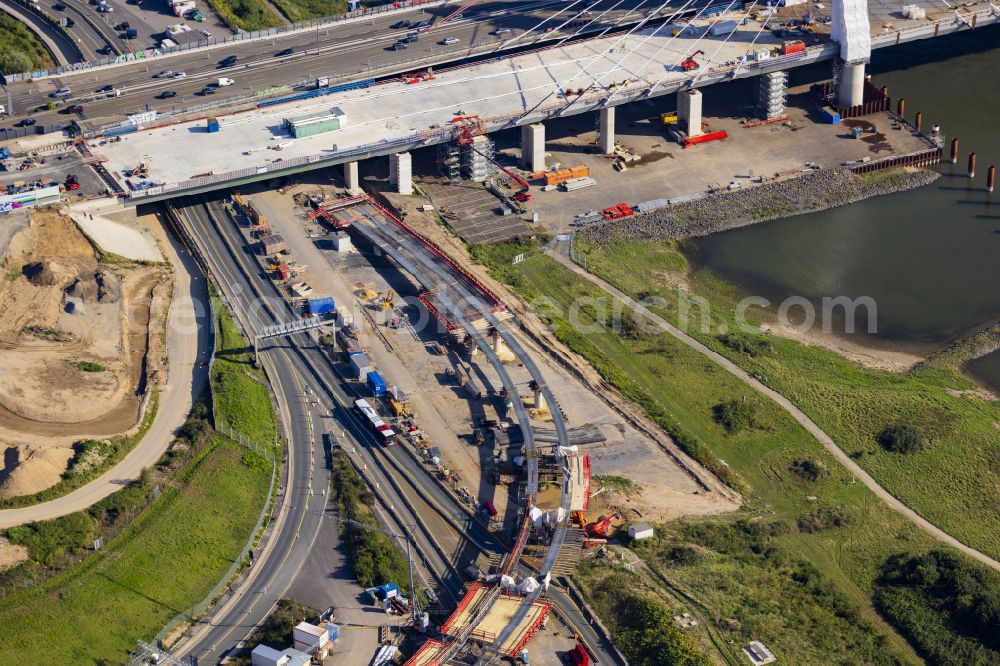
(396, 116)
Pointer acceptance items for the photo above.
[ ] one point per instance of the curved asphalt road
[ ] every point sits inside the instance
(794, 411)
(188, 351)
(61, 51)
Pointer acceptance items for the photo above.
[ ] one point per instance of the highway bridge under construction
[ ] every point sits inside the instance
(565, 79)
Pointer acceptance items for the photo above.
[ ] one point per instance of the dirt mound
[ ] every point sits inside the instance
(40, 273)
(29, 469)
(100, 287)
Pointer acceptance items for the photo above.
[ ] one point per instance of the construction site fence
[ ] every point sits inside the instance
(875, 100)
(920, 158)
(364, 14)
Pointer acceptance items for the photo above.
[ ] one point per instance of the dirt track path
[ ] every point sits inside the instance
(794, 411)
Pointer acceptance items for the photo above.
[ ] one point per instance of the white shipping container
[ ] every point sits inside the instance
(307, 636)
(263, 655)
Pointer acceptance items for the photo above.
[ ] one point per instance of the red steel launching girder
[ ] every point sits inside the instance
(497, 304)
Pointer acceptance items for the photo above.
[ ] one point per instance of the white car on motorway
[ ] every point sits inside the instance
(448, 41)
(179, 75)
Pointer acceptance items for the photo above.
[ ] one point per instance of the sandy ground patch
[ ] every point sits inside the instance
(29, 468)
(74, 342)
(11, 555)
(872, 354)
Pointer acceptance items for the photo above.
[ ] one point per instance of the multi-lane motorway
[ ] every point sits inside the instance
(341, 52)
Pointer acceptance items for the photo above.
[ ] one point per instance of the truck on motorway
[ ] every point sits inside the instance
(224, 81)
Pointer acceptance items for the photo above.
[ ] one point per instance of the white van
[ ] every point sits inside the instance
(223, 82)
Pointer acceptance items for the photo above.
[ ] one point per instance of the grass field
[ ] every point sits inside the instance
(304, 10)
(954, 481)
(165, 560)
(246, 14)
(649, 368)
(241, 397)
(20, 49)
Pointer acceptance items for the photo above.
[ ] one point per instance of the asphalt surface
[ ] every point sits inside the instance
(302, 501)
(188, 351)
(346, 52)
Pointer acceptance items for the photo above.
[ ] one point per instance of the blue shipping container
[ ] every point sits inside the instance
(829, 115)
(375, 383)
(213, 124)
(318, 306)
(387, 591)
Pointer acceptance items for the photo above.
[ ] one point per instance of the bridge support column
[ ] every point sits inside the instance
(351, 180)
(401, 172)
(689, 111)
(540, 403)
(606, 130)
(852, 85)
(533, 147)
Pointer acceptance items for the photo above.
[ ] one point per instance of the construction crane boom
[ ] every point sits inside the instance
(449, 17)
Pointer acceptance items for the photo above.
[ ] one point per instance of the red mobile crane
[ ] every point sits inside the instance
(689, 63)
(600, 528)
(469, 127)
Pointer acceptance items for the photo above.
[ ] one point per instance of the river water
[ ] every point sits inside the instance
(929, 257)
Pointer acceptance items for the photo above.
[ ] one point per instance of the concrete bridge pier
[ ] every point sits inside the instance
(401, 172)
(533, 147)
(606, 131)
(852, 85)
(351, 180)
(689, 110)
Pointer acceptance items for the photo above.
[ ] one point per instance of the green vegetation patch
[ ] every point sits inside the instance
(678, 387)
(901, 438)
(241, 397)
(89, 366)
(641, 624)
(20, 49)
(304, 10)
(373, 556)
(246, 14)
(165, 559)
(952, 479)
(948, 606)
(743, 582)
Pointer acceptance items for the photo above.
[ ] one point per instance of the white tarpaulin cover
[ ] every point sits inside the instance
(852, 30)
(528, 585)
